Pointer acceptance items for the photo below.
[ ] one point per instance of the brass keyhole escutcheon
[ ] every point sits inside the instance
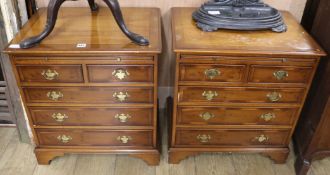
(50, 74)
(121, 96)
(124, 139)
(123, 118)
(204, 138)
(206, 116)
(274, 96)
(262, 138)
(59, 117)
(268, 116)
(209, 95)
(281, 74)
(120, 73)
(55, 96)
(212, 73)
(64, 138)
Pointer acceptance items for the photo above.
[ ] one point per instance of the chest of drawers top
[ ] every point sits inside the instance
(98, 30)
(187, 38)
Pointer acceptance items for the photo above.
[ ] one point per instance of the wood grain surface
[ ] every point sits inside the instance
(206, 164)
(166, 75)
(57, 73)
(98, 31)
(189, 39)
(276, 70)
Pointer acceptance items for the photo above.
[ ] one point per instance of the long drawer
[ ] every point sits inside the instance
(50, 73)
(253, 138)
(97, 116)
(95, 95)
(76, 137)
(235, 116)
(193, 95)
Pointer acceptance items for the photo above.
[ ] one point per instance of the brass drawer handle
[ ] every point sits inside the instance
(212, 73)
(206, 116)
(124, 139)
(50, 74)
(123, 118)
(204, 138)
(64, 138)
(274, 96)
(262, 138)
(121, 96)
(53, 95)
(268, 116)
(281, 74)
(209, 95)
(120, 73)
(59, 117)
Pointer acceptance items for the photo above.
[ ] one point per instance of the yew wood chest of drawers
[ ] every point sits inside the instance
(101, 98)
(238, 91)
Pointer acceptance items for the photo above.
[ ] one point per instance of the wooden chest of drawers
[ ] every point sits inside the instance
(98, 99)
(238, 91)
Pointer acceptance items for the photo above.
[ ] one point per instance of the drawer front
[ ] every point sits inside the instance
(53, 137)
(75, 116)
(50, 73)
(231, 137)
(280, 74)
(99, 95)
(124, 73)
(209, 95)
(235, 116)
(214, 73)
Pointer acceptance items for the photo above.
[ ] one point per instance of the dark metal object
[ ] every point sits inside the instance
(238, 15)
(31, 7)
(53, 8)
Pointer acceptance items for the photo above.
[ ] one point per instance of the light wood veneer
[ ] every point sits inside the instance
(97, 99)
(238, 91)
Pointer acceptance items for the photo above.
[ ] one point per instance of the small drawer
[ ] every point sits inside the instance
(212, 73)
(116, 73)
(96, 95)
(280, 74)
(209, 95)
(244, 138)
(50, 73)
(84, 137)
(98, 116)
(235, 116)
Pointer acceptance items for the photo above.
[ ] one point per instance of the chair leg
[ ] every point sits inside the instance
(53, 7)
(115, 9)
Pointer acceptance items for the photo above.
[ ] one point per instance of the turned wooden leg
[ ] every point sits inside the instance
(53, 7)
(151, 159)
(94, 7)
(44, 157)
(176, 157)
(115, 9)
(302, 165)
(279, 157)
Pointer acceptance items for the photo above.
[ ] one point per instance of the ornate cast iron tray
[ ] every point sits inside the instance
(238, 15)
(53, 8)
